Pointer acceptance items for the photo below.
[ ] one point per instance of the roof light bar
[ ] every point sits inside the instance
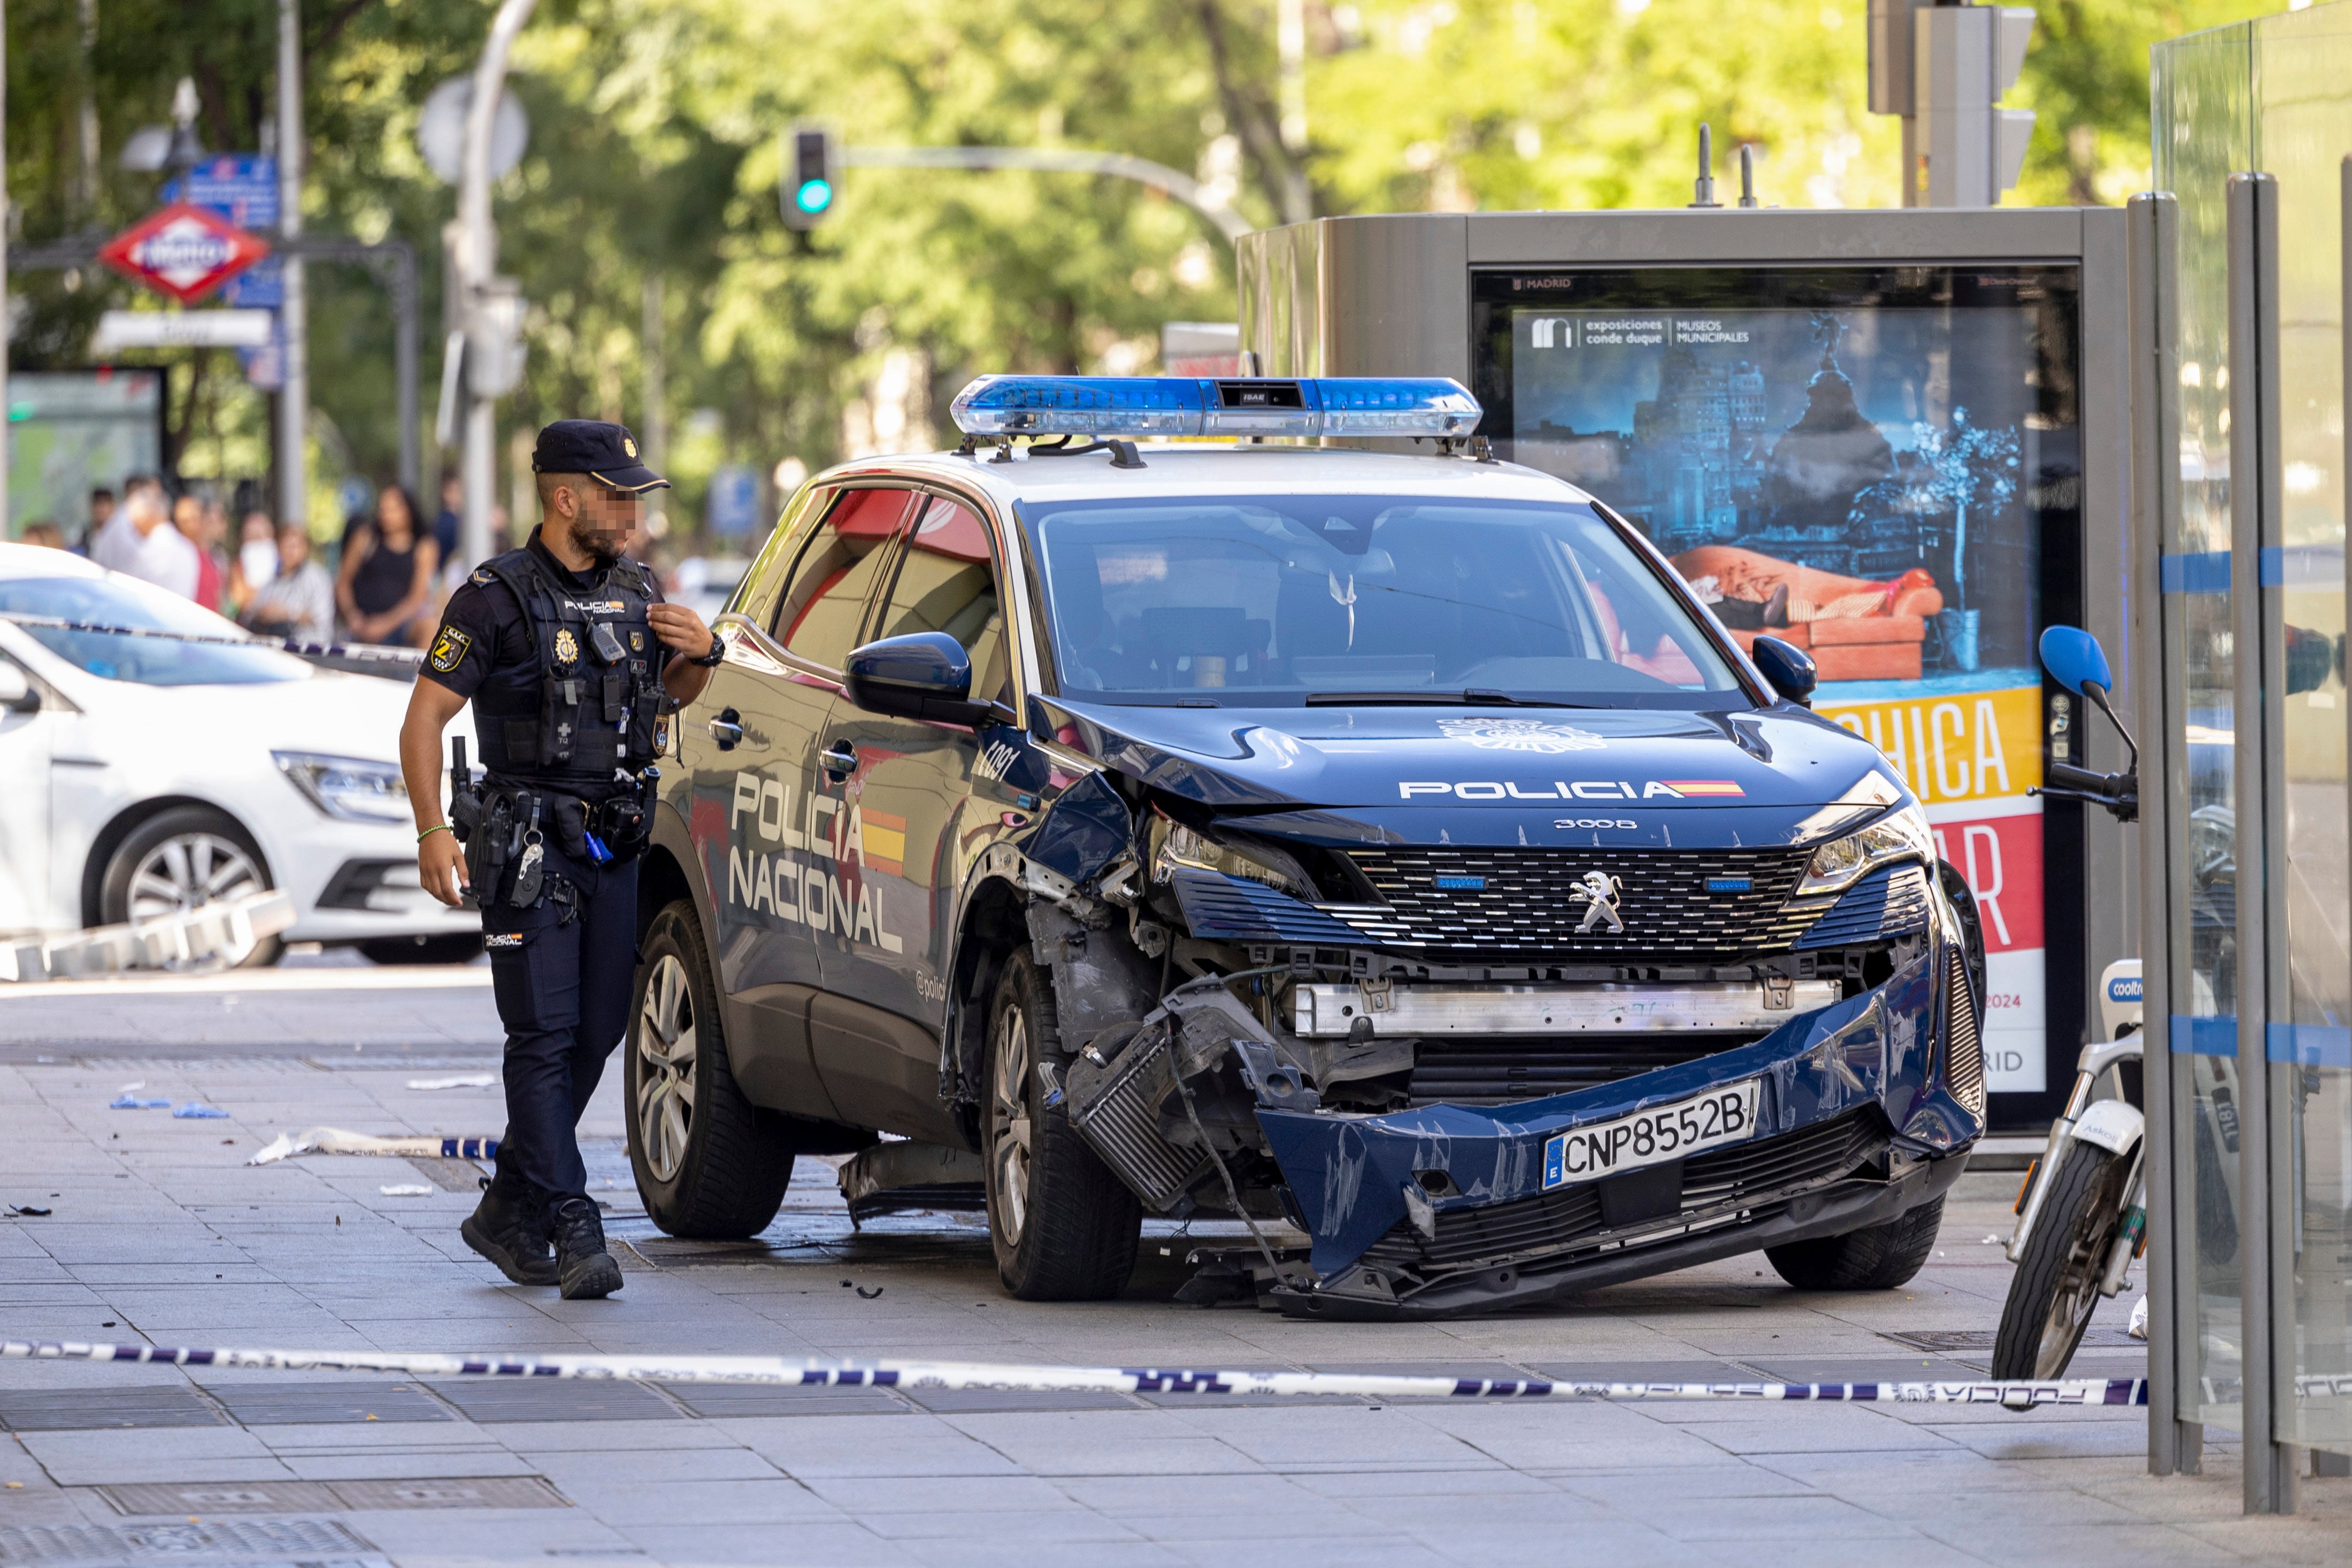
(1183, 405)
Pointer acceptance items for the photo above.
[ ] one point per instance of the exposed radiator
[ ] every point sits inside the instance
(1116, 1110)
(1963, 1045)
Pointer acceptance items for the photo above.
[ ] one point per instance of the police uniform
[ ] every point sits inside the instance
(565, 674)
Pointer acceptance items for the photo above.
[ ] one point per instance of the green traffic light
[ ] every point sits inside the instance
(813, 197)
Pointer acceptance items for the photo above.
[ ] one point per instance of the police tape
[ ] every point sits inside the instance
(372, 652)
(984, 1376)
(335, 1140)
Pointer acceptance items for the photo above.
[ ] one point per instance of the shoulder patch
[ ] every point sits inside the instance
(449, 649)
(483, 576)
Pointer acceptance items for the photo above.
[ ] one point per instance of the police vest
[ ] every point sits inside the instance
(599, 688)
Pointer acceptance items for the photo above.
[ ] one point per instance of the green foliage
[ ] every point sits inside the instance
(654, 155)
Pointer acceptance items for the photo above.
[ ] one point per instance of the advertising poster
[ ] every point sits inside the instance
(71, 431)
(1862, 477)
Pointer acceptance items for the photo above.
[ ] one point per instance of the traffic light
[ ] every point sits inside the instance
(808, 176)
(1943, 67)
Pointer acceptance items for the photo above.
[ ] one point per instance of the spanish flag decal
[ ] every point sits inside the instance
(884, 845)
(1704, 787)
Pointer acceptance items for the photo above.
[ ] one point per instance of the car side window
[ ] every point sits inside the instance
(824, 603)
(755, 597)
(946, 583)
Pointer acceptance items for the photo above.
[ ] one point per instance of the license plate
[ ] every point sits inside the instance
(1652, 1137)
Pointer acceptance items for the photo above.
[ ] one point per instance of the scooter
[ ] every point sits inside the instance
(2082, 1211)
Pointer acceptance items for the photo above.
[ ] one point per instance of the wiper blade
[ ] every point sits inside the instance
(1475, 697)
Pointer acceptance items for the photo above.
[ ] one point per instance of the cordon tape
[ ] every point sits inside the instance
(2016, 1393)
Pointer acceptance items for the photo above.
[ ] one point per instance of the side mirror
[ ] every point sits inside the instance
(16, 693)
(1788, 669)
(2075, 660)
(923, 675)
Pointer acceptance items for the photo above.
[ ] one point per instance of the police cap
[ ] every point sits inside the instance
(605, 453)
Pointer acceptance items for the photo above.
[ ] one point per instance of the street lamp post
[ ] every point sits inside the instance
(293, 316)
(490, 347)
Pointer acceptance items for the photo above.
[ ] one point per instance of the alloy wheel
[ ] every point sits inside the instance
(666, 1062)
(1009, 1145)
(189, 870)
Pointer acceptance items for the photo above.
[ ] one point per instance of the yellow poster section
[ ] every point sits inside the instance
(1971, 745)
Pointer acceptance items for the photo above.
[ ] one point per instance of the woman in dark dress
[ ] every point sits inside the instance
(385, 588)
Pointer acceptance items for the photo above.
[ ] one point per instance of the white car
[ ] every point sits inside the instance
(140, 776)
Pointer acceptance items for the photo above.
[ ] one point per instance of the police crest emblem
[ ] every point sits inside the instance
(636, 642)
(629, 444)
(567, 647)
(449, 649)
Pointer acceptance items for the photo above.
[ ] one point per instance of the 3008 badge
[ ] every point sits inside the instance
(1652, 1137)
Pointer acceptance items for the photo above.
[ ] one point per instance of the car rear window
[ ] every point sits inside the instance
(138, 606)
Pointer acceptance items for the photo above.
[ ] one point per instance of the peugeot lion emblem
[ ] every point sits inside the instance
(1600, 893)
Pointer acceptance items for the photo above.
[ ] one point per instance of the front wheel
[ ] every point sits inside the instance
(1064, 1228)
(1877, 1258)
(2056, 1287)
(182, 860)
(708, 1163)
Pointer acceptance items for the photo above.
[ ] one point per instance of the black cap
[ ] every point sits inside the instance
(605, 453)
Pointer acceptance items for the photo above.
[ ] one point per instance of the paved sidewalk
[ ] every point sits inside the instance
(160, 1233)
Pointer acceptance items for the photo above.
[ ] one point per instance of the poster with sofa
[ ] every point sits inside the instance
(1864, 481)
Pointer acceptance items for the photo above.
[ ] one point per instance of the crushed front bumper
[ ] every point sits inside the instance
(1864, 1110)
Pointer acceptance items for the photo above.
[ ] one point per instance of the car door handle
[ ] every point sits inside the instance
(838, 759)
(727, 729)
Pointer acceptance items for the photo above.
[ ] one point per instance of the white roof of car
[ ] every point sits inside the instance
(1219, 469)
(38, 561)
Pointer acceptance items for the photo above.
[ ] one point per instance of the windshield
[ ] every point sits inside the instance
(1289, 599)
(150, 661)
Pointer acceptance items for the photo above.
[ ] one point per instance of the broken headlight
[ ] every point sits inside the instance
(1901, 835)
(1180, 845)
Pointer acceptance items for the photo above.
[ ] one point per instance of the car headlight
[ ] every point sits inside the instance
(347, 788)
(1180, 845)
(1902, 835)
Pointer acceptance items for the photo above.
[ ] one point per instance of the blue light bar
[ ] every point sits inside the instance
(1183, 405)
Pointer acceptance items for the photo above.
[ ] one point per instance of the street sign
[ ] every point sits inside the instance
(441, 130)
(734, 503)
(180, 328)
(241, 187)
(262, 285)
(183, 251)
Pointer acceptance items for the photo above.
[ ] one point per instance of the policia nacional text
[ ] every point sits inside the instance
(573, 663)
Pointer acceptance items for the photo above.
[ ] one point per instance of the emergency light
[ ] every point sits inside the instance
(1183, 405)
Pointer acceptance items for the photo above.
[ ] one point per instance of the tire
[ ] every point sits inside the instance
(1877, 1258)
(182, 858)
(449, 947)
(1064, 1228)
(2056, 1287)
(708, 1163)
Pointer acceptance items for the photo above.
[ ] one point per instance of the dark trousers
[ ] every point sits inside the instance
(562, 991)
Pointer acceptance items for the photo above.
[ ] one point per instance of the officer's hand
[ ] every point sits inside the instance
(441, 867)
(680, 629)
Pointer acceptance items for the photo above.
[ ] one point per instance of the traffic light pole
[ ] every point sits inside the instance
(1119, 165)
(293, 314)
(477, 262)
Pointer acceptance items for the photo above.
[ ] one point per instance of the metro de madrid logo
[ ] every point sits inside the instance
(1520, 735)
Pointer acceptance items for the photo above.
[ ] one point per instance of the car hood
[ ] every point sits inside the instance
(1492, 775)
(330, 713)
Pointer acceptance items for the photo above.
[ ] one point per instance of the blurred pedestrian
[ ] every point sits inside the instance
(140, 541)
(102, 509)
(449, 520)
(385, 588)
(44, 533)
(299, 600)
(205, 527)
(256, 559)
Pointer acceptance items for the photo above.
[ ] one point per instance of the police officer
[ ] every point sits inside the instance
(572, 661)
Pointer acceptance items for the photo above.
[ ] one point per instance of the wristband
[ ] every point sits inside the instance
(437, 827)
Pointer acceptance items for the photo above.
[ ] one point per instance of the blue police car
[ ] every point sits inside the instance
(1381, 848)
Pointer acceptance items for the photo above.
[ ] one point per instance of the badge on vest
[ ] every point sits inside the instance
(449, 649)
(636, 642)
(567, 648)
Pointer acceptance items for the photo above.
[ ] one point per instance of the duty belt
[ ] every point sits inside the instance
(504, 826)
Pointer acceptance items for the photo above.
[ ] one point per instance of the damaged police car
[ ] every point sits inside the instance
(1389, 851)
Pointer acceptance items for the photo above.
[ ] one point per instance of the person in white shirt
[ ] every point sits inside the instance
(140, 541)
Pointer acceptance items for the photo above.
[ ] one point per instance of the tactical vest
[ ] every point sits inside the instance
(600, 686)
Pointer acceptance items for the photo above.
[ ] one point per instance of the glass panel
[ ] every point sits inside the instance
(2203, 131)
(2302, 64)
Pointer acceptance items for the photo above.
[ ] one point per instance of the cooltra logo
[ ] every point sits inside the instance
(1520, 735)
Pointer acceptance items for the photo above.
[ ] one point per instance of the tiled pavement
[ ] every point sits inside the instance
(158, 1232)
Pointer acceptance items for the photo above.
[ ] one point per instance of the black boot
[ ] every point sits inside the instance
(510, 1228)
(584, 1268)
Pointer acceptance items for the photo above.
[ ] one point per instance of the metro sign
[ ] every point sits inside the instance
(183, 251)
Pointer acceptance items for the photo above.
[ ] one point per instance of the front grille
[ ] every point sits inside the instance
(1885, 904)
(1963, 1047)
(1745, 1175)
(1496, 1071)
(1481, 902)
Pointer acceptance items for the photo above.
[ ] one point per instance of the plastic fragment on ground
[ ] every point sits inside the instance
(129, 1101)
(197, 1110)
(406, 1190)
(336, 1141)
(470, 1081)
(2138, 1328)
